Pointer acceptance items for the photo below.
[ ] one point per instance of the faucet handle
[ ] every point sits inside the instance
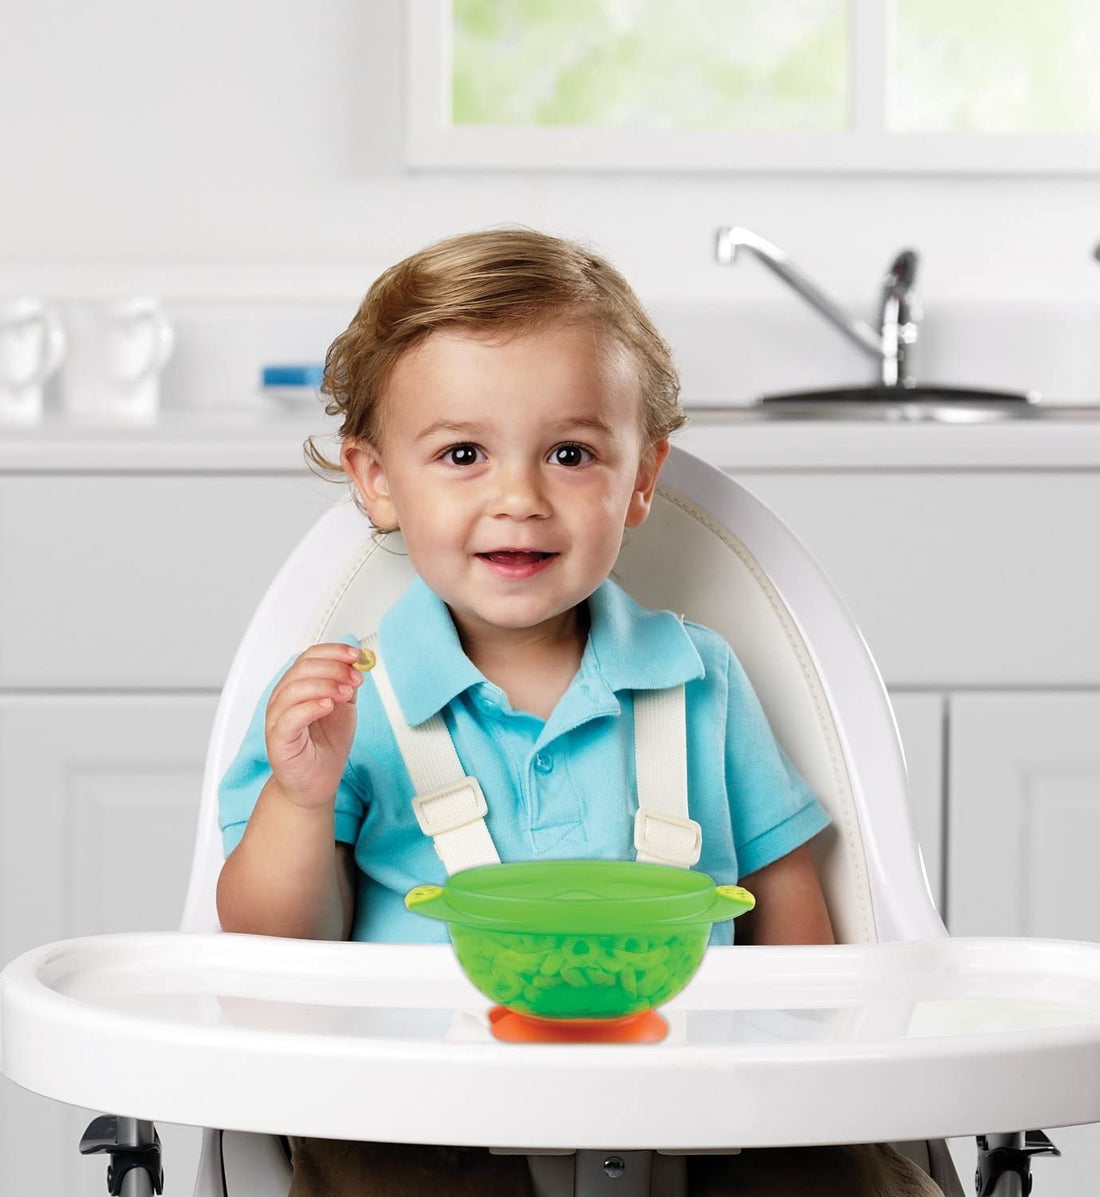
(900, 315)
(902, 275)
(901, 304)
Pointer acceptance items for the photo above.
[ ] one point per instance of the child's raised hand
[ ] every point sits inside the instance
(310, 723)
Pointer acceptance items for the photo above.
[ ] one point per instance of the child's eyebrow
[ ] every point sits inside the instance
(480, 426)
(451, 426)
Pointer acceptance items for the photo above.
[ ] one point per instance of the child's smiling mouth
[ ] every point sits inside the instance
(516, 564)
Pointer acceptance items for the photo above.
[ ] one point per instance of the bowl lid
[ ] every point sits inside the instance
(581, 896)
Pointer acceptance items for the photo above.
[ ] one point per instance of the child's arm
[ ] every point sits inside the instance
(288, 876)
(790, 907)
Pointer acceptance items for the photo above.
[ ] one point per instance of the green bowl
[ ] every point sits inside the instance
(570, 939)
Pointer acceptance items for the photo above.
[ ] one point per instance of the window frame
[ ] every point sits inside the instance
(432, 143)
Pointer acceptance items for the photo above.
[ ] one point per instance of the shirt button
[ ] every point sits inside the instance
(544, 762)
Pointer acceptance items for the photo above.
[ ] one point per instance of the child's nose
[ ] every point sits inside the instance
(521, 492)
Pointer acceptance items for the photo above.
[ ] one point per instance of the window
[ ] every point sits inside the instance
(880, 86)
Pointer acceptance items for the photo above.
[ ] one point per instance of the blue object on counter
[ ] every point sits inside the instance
(293, 376)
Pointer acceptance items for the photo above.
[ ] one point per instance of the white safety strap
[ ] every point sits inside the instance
(449, 806)
(663, 833)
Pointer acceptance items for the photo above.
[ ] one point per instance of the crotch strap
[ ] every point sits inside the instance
(451, 808)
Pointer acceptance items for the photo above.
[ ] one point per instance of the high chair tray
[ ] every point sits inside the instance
(767, 1045)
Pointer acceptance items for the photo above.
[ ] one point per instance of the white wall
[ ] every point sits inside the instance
(252, 149)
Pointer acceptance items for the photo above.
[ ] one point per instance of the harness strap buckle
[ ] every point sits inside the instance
(667, 840)
(450, 807)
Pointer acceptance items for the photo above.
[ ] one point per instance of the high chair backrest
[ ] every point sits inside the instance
(714, 553)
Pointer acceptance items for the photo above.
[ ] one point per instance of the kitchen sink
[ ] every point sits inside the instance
(919, 404)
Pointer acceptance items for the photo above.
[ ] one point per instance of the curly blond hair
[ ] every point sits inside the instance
(508, 281)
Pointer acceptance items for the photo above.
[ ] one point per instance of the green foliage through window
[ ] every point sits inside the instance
(996, 66)
(648, 64)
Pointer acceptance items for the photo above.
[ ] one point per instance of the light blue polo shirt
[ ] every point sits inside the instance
(560, 788)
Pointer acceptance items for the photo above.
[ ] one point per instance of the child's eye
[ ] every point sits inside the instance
(572, 448)
(457, 449)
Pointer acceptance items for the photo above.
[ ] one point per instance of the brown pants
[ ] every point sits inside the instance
(334, 1168)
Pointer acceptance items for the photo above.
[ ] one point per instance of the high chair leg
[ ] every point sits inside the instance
(1004, 1162)
(134, 1149)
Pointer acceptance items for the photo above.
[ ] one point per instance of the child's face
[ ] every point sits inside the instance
(529, 476)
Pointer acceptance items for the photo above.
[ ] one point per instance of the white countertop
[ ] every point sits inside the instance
(258, 440)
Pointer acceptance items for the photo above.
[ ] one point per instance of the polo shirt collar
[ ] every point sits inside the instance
(630, 647)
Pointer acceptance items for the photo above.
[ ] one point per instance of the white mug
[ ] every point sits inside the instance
(32, 344)
(117, 348)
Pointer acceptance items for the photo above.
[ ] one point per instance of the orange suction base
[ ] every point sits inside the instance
(511, 1027)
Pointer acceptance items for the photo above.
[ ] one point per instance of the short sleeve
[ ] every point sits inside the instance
(773, 810)
(250, 769)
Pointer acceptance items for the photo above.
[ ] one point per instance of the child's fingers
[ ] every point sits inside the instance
(323, 660)
(320, 668)
(328, 651)
(286, 726)
(311, 689)
(321, 677)
(332, 666)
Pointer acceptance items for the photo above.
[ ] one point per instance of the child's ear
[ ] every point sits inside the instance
(645, 481)
(362, 463)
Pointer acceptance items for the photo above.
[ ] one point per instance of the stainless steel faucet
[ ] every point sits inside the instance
(899, 312)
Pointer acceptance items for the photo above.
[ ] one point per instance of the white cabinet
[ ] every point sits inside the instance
(140, 580)
(958, 580)
(1023, 830)
(98, 819)
(968, 580)
(122, 600)
(97, 823)
(920, 719)
(1024, 823)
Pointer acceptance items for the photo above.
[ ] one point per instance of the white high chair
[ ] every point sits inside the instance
(883, 1037)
